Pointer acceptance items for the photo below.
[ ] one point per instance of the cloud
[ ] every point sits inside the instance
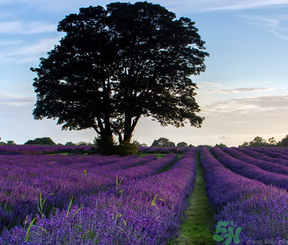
(6, 59)
(52, 5)
(16, 101)
(18, 27)
(223, 137)
(211, 5)
(29, 53)
(10, 42)
(240, 90)
(248, 105)
(178, 6)
(40, 47)
(210, 84)
(273, 25)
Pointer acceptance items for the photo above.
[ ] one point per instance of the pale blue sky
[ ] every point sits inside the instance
(242, 94)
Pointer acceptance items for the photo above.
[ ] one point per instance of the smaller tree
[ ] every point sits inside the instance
(10, 142)
(207, 146)
(272, 141)
(182, 144)
(163, 142)
(284, 141)
(220, 145)
(136, 143)
(245, 144)
(40, 141)
(258, 142)
(83, 143)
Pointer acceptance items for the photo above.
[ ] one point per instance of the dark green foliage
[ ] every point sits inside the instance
(83, 143)
(118, 64)
(137, 143)
(40, 141)
(284, 141)
(126, 148)
(163, 142)
(11, 142)
(207, 146)
(70, 143)
(220, 145)
(260, 142)
(8, 142)
(182, 144)
(105, 146)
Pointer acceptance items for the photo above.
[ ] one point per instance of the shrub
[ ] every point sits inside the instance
(126, 148)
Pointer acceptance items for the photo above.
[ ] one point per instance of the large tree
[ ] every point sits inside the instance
(120, 63)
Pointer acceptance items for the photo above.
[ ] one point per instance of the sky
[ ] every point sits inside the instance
(242, 94)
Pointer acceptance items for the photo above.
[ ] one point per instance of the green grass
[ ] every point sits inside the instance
(158, 155)
(198, 227)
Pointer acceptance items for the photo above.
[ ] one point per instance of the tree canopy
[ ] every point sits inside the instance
(163, 142)
(41, 141)
(260, 142)
(284, 141)
(182, 144)
(117, 64)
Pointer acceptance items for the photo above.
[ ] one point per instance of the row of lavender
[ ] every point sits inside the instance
(25, 177)
(38, 149)
(237, 191)
(144, 210)
(269, 171)
(163, 150)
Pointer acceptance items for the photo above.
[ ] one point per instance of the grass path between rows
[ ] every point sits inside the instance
(198, 228)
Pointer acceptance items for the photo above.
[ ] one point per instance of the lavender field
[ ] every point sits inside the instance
(91, 199)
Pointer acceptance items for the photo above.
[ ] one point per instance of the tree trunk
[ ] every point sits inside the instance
(129, 127)
(105, 143)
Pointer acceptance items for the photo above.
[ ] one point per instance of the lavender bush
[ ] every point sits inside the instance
(272, 152)
(57, 178)
(164, 150)
(250, 170)
(147, 210)
(259, 209)
(266, 165)
(259, 156)
(38, 149)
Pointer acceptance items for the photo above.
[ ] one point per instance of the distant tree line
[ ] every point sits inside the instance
(49, 141)
(164, 142)
(8, 142)
(46, 141)
(256, 142)
(260, 142)
(161, 142)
